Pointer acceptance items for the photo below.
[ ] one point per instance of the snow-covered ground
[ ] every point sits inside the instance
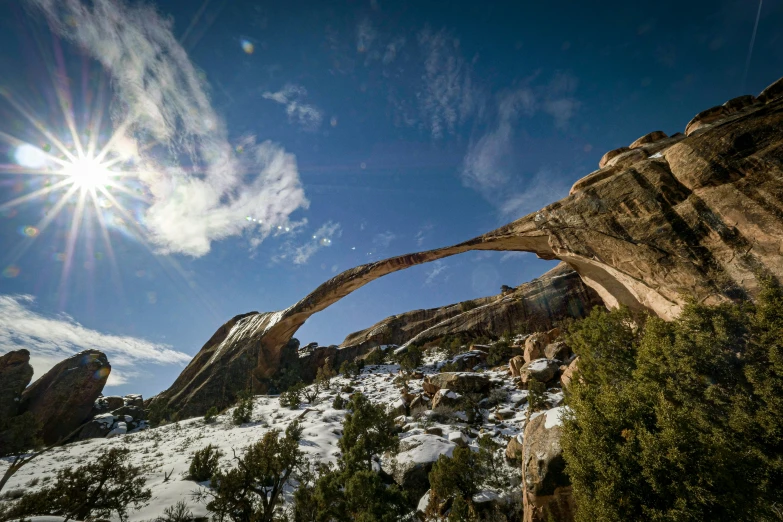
(166, 451)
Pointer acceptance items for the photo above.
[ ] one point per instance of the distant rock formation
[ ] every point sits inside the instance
(536, 305)
(697, 216)
(63, 398)
(15, 375)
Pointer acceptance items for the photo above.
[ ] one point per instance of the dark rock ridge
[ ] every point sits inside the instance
(15, 375)
(697, 216)
(63, 398)
(536, 305)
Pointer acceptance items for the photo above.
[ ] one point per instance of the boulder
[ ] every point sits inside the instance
(63, 398)
(568, 373)
(418, 405)
(97, 428)
(460, 382)
(535, 344)
(514, 448)
(546, 488)
(516, 364)
(610, 155)
(134, 399)
(104, 404)
(398, 407)
(557, 350)
(707, 117)
(458, 438)
(447, 398)
(135, 412)
(542, 370)
(651, 137)
(468, 360)
(410, 468)
(15, 375)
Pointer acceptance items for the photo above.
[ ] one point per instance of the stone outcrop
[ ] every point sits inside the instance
(460, 382)
(63, 398)
(546, 491)
(698, 216)
(15, 375)
(536, 305)
(542, 370)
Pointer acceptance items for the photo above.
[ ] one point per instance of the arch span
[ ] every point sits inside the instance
(683, 217)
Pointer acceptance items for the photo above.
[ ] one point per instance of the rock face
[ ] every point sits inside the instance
(63, 398)
(698, 216)
(15, 375)
(536, 305)
(460, 382)
(546, 488)
(412, 465)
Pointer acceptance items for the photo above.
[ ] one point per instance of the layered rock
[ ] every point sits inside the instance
(63, 398)
(15, 375)
(698, 216)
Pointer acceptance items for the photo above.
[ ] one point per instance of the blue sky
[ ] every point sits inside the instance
(345, 131)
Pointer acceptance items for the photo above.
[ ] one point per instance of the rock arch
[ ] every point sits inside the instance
(697, 216)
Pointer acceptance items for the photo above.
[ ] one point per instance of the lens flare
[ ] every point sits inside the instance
(247, 46)
(11, 271)
(30, 231)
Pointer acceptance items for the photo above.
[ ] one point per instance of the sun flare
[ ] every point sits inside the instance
(87, 174)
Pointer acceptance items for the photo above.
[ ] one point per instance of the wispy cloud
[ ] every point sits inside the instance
(365, 36)
(383, 240)
(490, 165)
(300, 254)
(436, 272)
(52, 339)
(448, 93)
(292, 97)
(162, 99)
(421, 235)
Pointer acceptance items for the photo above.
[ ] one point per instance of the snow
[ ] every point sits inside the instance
(656, 155)
(168, 449)
(554, 417)
(485, 496)
(539, 365)
(423, 502)
(423, 448)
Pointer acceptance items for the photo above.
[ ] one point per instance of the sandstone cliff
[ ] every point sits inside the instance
(662, 220)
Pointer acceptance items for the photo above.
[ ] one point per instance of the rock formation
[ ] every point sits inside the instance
(15, 375)
(697, 216)
(536, 305)
(63, 398)
(546, 489)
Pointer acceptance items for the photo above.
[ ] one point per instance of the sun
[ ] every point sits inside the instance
(87, 174)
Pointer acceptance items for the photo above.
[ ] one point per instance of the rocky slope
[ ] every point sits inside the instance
(697, 215)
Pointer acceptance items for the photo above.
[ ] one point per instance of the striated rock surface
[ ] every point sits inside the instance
(15, 375)
(63, 398)
(698, 216)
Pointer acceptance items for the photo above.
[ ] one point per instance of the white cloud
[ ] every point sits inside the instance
(487, 165)
(448, 94)
(508, 256)
(392, 49)
(545, 187)
(365, 36)
(162, 99)
(301, 254)
(292, 96)
(438, 268)
(421, 235)
(384, 239)
(52, 339)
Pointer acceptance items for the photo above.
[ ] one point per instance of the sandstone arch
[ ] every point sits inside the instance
(698, 216)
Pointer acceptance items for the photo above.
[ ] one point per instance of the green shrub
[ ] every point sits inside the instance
(465, 306)
(411, 358)
(95, 490)
(499, 353)
(243, 412)
(353, 490)
(292, 397)
(204, 463)
(339, 402)
(325, 374)
(376, 356)
(209, 417)
(678, 420)
(253, 490)
(350, 368)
